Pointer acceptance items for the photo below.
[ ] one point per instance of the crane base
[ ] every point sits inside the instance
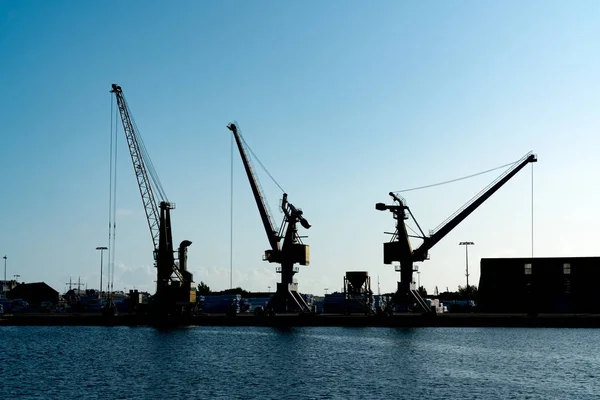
(286, 299)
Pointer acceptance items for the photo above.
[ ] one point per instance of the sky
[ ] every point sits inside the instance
(341, 101)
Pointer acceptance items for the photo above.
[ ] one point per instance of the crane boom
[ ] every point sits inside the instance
(420, 254)
(139, 167)
(265, 216)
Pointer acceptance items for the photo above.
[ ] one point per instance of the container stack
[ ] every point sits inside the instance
(334, 303)
(251, 303)
(380, 302)
(221, 303)
(434, 304)
(318, 306)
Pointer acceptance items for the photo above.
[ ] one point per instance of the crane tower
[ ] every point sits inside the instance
(175, 291)
(292, 251)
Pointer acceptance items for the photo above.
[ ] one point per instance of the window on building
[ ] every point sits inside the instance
(567, 269)
(527, 269)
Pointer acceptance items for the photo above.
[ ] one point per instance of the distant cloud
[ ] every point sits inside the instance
(219, 278)
(143, 278)
(256, 280)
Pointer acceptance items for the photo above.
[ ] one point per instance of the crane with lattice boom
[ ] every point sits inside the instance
(399, 247)
(174, 284)
(286, 254)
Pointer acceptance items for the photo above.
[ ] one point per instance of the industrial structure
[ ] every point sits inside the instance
(400, 249)
(539, 285)
(175, 290)
(292, 251)
(358, 296)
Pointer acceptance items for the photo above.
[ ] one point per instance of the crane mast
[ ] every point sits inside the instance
(286, 298)
(399, 248)
(174, 283)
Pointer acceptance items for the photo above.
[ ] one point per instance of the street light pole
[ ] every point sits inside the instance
(467, 244)
(4, 283)
(101, 248)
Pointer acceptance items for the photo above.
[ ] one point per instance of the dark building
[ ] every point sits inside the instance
(34, 293)
(539, 285)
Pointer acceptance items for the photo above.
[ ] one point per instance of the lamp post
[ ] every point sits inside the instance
(326, 289)
(17, 276)
(467, 244)
(4, 283)
(101, 248)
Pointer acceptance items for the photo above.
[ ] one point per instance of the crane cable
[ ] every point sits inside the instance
(112, 198)
(231, 220)
(110, 248)
(257, 181)
(157, 185)
(113, 178)
(455, 180)
(531, 210)
(261, 164)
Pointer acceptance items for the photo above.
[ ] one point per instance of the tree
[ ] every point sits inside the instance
(467, 292)
(422, 291)
(237, 290)
(203, 289)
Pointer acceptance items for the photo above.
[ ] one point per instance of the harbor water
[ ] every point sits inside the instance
(298, 363)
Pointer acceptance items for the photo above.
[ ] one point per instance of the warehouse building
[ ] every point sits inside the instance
(539, 285)
(34, 293)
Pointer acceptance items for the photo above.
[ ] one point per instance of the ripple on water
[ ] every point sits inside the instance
(298, 363)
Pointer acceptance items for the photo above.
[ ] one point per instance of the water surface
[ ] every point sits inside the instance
(298, 363)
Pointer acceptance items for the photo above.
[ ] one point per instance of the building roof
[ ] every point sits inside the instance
(34, 286)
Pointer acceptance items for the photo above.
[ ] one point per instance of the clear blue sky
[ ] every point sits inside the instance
(342, 101)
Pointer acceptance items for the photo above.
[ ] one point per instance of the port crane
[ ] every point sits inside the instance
(399, 248)
(175, 291)
(286, 254)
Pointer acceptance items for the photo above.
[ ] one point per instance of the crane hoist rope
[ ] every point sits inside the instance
(457, 179)
(112, 202)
